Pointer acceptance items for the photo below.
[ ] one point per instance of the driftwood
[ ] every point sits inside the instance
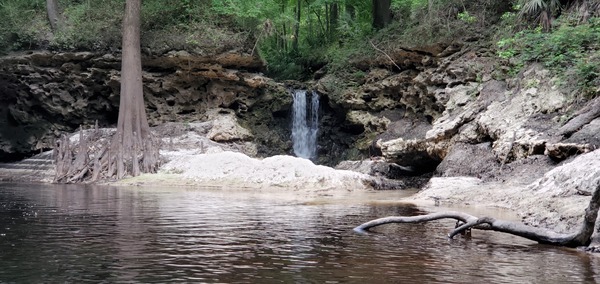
(585, 237)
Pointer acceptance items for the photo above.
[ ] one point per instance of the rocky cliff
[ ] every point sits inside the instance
(44, 94)
(452, 110)
(445, 109)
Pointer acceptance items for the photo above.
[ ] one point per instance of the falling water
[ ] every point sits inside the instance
(305, 123)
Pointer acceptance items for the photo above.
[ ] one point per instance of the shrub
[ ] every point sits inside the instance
(23, 24)
(568, 47)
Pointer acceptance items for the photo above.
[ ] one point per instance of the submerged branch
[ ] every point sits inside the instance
(540, 235)
(463, 217)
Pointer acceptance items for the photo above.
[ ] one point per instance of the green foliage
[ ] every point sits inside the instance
(568, 49)
(588, 72)
(267, 27)
(340, 59)
(96, 25)
(250, 14)
(320, 30)
(90, 25)
(539, 11)
(21, 24)
(283, 66)
(466, 17)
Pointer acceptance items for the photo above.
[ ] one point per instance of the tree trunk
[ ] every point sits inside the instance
(53, 15)
(133, 132)
(351, 12)
(327, 21)
(284, 41)
(382, 15)
(311, 30)
(333, 20)
(297, 27)
(283, 34)
(133, 149)
(323, 27)
(595, 243)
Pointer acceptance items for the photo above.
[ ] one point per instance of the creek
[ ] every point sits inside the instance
(83, 233)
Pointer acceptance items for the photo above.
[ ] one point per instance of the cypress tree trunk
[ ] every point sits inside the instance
(133, 135)
(133, 149)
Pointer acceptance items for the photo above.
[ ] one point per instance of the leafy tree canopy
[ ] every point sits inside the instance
(295, 37)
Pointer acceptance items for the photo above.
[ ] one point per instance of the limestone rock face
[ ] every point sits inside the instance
(45, 94)
(387, 175)
(568, 187)
(226, 129)
(420, 154)
(368, 120)
(429, 109)
(474, 160)
(376, 168)
(446, 102)
(577, 177)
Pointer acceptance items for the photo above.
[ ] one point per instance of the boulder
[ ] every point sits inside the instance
(475, 160)
(226, 129)
(558, 199)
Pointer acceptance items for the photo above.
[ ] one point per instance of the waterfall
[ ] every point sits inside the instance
(305, 123)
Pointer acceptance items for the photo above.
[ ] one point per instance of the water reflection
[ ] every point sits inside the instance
(65, 233)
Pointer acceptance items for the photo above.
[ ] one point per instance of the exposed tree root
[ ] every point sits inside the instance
(91, 158)
(586, 236)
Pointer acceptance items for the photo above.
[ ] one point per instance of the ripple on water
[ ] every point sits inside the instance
(74, 234)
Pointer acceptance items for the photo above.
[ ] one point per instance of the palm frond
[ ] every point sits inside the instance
(540, 11)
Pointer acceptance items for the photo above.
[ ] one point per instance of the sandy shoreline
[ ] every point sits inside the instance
(556, 201)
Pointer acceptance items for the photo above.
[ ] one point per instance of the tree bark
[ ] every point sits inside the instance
(282, 39)
(595, 242)
(588, 234)
(53, 15)
(333, 20)
(297, 27)
(382, 15)
(133, 132)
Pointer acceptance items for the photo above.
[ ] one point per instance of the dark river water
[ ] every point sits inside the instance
(57, 233)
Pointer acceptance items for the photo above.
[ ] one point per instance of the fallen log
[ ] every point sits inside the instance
(586, 236)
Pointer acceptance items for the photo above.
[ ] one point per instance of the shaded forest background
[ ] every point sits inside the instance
(296, 38)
